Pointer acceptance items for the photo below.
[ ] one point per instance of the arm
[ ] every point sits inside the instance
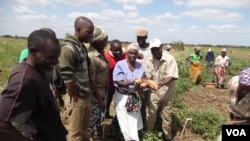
(94, 64)
(201, 57)
(72, 91)
(9, 133)
(67, 69)
(123, 83)
(172, 72)
(237, 122)
(16, 106)
(166, 81)
(188, 59)
(96, 93)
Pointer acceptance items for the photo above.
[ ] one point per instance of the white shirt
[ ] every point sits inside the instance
(223, 62)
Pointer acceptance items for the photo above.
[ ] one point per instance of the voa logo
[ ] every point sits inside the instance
(236, 132)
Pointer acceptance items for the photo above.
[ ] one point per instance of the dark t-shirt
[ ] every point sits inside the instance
(29, 101)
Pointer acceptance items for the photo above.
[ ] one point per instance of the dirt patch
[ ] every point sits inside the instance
(201, 98)
(197, 99)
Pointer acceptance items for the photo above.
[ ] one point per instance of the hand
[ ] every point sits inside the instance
(61, 102)
(160, 84)
(75, 98)
(230, 122)
(101, 104)
(140, 56)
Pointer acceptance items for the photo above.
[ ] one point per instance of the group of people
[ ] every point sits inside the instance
(91, 77)
(219, 66)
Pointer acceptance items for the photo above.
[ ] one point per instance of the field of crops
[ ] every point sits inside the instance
(189, 101)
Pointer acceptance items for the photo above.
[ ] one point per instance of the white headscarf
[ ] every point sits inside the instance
(133, 46)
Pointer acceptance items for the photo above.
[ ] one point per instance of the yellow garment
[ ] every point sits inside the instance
(195, 72)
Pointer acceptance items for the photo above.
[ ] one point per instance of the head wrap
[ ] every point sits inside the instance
(197, 48)
(98, 35)
(133, 46)
(245, 77)
(224, 50)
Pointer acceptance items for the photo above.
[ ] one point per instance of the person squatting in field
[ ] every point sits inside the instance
(239, 87)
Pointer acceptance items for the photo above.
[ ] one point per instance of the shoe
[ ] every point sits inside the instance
(222, 85)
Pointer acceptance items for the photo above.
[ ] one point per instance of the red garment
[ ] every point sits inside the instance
(112, 62)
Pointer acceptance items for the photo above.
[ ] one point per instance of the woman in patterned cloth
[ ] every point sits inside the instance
(239, 87)
(124, 74)
(220, 68)
(99, 76)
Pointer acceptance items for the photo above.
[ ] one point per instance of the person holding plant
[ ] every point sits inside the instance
(126, 98)
(195, 67)
(162, 69)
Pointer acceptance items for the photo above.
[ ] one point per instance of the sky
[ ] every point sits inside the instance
(213, 22)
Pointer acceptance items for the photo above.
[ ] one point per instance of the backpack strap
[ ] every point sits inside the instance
(78, 56)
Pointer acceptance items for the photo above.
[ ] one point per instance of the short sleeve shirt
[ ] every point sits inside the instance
(195, 58)
(24, 54)
(222, 61)
(122, 72)
(158, 70)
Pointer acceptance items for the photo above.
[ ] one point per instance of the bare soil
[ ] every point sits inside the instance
(197, 99)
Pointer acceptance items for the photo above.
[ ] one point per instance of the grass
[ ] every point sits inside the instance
(205, 123)
(10, 49)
